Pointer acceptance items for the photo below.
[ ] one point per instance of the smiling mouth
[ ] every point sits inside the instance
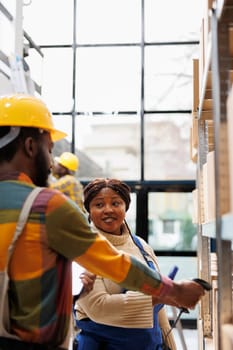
(109, 219)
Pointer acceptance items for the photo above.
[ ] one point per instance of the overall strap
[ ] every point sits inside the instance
(23, 218)
(143, 252)
(150, 264)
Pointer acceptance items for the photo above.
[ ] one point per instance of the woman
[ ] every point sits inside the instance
(108, 317)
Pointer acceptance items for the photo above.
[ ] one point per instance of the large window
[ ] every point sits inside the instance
(117, 75)
(170, 217)
(167, 146)
(122, 69)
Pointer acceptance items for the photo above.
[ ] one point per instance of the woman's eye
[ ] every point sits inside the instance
(99, 205)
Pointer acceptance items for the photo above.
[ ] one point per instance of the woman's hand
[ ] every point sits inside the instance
(88, 280)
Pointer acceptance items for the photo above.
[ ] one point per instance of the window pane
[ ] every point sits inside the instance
(175, 208)
(131, 214)
(88, 168)
(63, 123)
(35, 62)
(49, 22)
(167, 147)
(57, 79)
(169, 77)
(170, 20)
(5, 84)
(112, 143)
(108, 21)
(10, 5)
(7, 35)
(108, 79)
(7, 45)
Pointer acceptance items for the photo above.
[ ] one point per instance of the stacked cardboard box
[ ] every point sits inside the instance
(194, 138)
(195, 218)
(210, 134)
(227, 329)
(230, 143)
(223, 170)
(227, 336)
(209, 188)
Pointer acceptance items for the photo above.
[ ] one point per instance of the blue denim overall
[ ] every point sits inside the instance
(96, 336)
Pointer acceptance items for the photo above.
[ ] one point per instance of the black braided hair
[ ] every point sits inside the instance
(96, 185)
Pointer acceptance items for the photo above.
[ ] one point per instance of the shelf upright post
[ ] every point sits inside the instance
(220, 79)
(203, 242)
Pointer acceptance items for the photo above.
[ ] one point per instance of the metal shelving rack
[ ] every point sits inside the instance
(16, 70)
(219, 66)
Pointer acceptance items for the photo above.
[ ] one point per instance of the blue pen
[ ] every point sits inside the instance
(173, 272)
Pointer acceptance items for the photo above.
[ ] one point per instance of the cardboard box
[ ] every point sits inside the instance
(194, 131)
(231, 41)
(227, 336)
(231, 76)
(195, 206)
(207, 21)
(207, 104)
(210, 174)
(195, 85)
(205, 192)
(215, 312)
(210, 134)
(230, 143)
(201, 58)
(223, 170)
(201, 198)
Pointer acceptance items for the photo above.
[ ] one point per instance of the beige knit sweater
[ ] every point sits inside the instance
(108, 305)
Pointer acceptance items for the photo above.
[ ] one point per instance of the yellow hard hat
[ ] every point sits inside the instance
(68, 160)
(21, 110)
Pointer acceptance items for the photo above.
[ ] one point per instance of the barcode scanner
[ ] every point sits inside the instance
(203, 283)
(200, 281)
(206, 285)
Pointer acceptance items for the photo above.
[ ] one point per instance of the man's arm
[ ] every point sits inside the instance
(74, 239)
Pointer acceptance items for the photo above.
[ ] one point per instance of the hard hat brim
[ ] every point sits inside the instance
(57, 135)
(24, 110)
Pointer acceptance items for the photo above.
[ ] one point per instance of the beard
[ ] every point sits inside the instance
(42, 169)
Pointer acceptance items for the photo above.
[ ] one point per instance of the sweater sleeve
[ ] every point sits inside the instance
(130, 309)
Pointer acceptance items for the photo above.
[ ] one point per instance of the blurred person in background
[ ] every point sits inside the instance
(64, 169)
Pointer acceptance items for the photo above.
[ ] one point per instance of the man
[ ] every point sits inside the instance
(64, 170)
(56, 233)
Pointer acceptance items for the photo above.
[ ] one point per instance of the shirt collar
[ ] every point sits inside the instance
(15, 176)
